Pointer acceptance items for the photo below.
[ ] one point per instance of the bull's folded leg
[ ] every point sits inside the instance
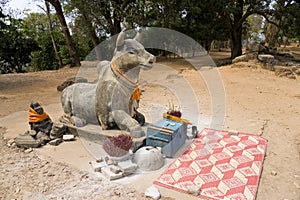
(126, 122)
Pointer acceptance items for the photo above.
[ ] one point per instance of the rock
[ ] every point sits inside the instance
(149, 158)
(32, 132)
(194, 189)
(285, 72)
(127, 167)
(97, 166)
(274, 173)
(242, 58)
(297, 72)
(18, 190)
(42, 137)
(68, 137)
(58, 130)
(265, 57)
(268, 61)
(71, 81)
(56, 141)
(10, 142)
(100, 159)
(27, 141)
(152, 192)
(297, 185)
(291, 76)
(28, 150)
(233, 132)
(115, 169)
(106, 171)
(244, 65)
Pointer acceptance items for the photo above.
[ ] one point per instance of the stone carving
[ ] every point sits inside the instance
(109, 102)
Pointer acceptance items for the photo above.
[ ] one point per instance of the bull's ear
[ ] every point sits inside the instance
(120, 39)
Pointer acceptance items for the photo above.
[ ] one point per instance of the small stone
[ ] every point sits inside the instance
(152, 192)
(18, 190)
(68, 137)
(297, 185)
(29, 150)
(56, 141)
(58, 130)
(242, 58)
(97, 166)
(274, 173)
(32, 132)
(127, 167)
(10, 142)
(109, 174)
(43, 137)
(115, 169)
(193, 189)
(233, 132)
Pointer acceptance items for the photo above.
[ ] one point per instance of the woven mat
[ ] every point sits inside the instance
(221, 165)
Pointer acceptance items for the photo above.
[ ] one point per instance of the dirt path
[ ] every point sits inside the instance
(257, 102)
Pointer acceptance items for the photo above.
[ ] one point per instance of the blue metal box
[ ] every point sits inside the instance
(167, 134)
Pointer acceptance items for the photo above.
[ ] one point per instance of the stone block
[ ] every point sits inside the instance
(56, 141)
(106, 171)
(68, 137)
(115, 169)
(27, 141)
(242, 58)
(152, 192)
(58, 129)
(97, 166)
(127, 167)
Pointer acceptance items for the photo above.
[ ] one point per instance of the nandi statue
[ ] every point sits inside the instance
(109, 102)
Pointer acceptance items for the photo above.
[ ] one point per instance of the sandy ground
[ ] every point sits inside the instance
(257, 102)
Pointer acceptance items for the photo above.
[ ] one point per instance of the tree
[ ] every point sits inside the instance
(290, 17)
(84, 20)
(15, 45)
(71, 47)
(45, 57)
(234, 13)
(55, 48)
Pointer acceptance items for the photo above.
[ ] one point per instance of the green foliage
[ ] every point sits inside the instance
(15, 45)
(44, 58)
(291, 18)
(26, 44)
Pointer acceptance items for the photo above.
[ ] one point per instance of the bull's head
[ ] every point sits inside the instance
(130, 53)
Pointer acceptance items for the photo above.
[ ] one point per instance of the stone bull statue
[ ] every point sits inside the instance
(109, 102)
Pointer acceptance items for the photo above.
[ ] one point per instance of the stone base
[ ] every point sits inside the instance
(94, 133)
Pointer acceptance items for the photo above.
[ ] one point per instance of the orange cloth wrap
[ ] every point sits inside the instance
(35, 117)
(136, 95)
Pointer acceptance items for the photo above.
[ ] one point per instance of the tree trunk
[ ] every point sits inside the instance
(58, 57)
(92, 34)
(236, 42)
(116, 26)
(272, 34)
(71, 47)
(237, 30)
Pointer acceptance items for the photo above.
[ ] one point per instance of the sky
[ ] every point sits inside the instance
(30, 5)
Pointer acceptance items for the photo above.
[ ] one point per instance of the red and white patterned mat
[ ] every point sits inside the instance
(223, 166)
